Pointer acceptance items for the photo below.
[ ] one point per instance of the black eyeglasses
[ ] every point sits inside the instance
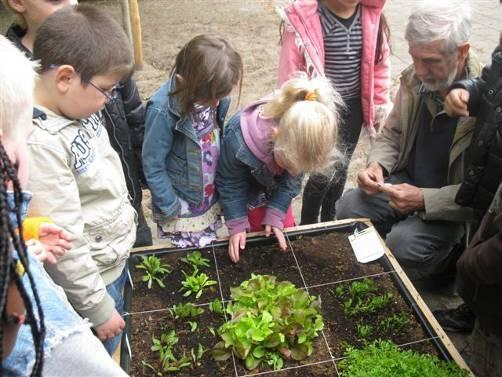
(110, 95)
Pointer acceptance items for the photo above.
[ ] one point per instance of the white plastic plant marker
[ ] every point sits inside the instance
(366, 245)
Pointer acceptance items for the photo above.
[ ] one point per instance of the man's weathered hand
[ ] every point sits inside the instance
(371, 179)
(404, 197)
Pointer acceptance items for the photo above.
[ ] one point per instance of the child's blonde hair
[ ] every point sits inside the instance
(17, 81)
(308, 114)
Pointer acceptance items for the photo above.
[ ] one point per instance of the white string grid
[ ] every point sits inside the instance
(332, 358)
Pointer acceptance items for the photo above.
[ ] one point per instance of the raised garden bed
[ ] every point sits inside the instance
(360, 303)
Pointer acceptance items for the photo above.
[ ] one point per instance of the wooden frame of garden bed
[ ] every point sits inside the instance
(437, 335)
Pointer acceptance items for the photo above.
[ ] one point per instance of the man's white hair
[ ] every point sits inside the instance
(440, 20)
(17, 81)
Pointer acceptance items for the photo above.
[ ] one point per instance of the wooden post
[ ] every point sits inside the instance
(136, 32)
(126, 18)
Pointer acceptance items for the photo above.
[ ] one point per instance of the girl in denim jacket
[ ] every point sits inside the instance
(266, 148)
(346, 41)
(181, 145)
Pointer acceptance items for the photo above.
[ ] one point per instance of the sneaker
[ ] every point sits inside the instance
(460, 319)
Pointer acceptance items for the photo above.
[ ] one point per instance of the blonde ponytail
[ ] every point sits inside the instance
(308, 115)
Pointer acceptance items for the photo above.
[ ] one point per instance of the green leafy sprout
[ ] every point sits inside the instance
(164, 345)
(362, 298)
(270, 321)
(216, 306)
(196, 260)
(155, 270)
(364, 330)
(383, 358)
(394, 322)
(187, 310)
(195, 283)
(193, 325)
(197, 355)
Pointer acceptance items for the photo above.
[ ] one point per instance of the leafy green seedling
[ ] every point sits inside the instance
(195, 283)
(211, 330)
(394, 323)
(196, 260)
(193, 325)
(366, 305)
(154, 270)
(362, 288)
(216, 306)
(164, 345)
(339, 291)
(177, 364)
(364, 331)
(187, 310)
(197, 355)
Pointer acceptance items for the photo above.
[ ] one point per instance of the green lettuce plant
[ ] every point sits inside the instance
(270, 321)
(164, 345)
(187, 310)
(195, 283)
(196, 260)
(383, 358)
(216, 306)
(155, 270)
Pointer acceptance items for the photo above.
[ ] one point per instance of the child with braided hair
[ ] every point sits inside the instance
(40, 333)
(266, 149)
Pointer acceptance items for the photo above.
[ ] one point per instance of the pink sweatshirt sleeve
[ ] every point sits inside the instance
(290, 60)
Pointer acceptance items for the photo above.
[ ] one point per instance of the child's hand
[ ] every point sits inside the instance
(110, 328)
(39, 250)
(236, 243)
(55, 239)
(455, 103)
(278, 234)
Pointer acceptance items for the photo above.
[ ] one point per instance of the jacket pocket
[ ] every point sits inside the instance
(111, 241)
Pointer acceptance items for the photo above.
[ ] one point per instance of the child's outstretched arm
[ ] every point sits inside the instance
(156, 147)
(232, 183)
(287, 189)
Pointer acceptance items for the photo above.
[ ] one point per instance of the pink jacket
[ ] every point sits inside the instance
(303, 50)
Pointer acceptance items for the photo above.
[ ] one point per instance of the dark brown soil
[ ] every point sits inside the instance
(157, 298)
(260, 260)
(329, 258)
(326, 261)
(148, 325)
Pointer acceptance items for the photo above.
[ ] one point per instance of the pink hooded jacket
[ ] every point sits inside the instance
(303, 50)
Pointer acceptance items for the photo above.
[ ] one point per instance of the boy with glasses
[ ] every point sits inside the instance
(76, 174)
(123, 113)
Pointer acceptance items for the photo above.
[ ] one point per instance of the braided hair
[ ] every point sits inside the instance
(11, 237)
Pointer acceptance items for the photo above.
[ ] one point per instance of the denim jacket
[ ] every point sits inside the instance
(241, 177)
(171, 152)
(60, 318)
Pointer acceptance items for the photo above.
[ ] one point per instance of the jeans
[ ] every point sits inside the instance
(116, 290)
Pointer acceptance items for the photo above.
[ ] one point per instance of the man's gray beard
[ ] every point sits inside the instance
(443, 84)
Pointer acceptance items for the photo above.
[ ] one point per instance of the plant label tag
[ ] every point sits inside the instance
(366, 245)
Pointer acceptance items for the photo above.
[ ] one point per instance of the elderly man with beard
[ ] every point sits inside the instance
(417, 162)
